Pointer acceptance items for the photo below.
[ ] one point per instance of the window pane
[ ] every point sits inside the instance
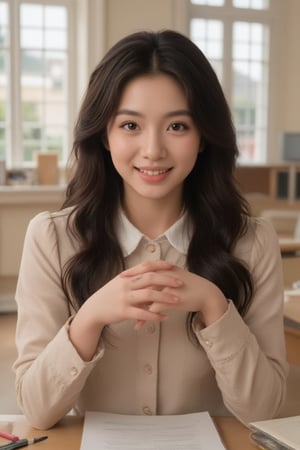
(249, 88)
(55, 113)
(251, 4)
(3, 14)
(31, 15)
(44, 62)
(208, 36)
(55, 17)
(208, 2)
(4, 80)
(31, 38)
(31, 111)
(3, 24)
(32, 76)
(56, 73)
(55, 39)
(55, 137)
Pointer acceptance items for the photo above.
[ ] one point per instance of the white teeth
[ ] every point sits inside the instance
(153, 172)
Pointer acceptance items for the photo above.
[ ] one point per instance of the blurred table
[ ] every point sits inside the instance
(289, 245)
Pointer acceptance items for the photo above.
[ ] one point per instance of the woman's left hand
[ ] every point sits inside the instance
(195, 294)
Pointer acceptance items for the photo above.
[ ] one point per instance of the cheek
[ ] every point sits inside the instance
(188, 153)
(117, 146)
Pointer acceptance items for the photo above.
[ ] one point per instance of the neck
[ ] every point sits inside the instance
(154, 218)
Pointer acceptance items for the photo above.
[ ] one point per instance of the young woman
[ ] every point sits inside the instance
(152, 291)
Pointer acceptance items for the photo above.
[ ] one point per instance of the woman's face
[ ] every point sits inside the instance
(153, 139)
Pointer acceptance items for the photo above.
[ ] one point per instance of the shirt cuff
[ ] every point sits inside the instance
(224, 338)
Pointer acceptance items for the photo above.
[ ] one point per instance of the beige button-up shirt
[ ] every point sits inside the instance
(238, 368)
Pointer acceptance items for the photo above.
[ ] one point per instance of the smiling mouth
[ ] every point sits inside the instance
(153, 172)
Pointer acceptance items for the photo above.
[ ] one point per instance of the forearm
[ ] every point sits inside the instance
(215, 305)
(49, 385)
(85, 332)
(252, 384)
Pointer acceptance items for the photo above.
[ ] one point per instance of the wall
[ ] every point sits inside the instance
(124, 17)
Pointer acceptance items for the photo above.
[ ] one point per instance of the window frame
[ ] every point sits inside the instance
(14, 155)
(228, 14)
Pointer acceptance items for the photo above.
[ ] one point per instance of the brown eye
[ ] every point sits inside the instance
(178, 126)
(131, 126)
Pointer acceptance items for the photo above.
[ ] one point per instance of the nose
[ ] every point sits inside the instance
(154, 147)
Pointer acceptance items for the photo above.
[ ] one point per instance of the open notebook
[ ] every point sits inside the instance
(277, 434)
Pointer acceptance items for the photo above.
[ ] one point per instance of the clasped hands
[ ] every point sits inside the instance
(162, 286)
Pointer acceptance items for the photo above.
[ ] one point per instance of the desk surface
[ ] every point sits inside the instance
(67, 434)
(289, 245)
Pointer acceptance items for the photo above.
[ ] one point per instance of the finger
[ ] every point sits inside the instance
(159, 308)
(142, 315)
(147, 266)
(142, 297)
(155, 279)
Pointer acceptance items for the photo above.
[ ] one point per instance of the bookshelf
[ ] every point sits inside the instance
(280, 182)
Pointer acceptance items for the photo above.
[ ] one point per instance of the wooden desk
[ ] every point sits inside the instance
(289, 245)
(67, 434)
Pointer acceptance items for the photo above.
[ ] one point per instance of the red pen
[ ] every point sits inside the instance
(8, 436)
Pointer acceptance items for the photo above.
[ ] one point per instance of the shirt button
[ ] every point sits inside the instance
(148, 369)
(151, 328)
(73, 371)
(147, 411)
(151, 248)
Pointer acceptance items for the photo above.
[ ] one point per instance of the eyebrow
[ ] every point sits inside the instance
(179, 112)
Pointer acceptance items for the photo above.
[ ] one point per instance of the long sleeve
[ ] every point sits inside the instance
(248, 354)
(49, 372)
(239, 366)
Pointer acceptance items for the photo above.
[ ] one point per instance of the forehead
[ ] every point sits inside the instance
(157, 90)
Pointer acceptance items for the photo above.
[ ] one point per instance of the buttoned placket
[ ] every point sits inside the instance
(148, 349)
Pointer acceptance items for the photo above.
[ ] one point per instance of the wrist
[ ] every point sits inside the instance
(215, 307)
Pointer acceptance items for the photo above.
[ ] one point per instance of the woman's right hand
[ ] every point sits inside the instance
(125, 298)
(121, 299)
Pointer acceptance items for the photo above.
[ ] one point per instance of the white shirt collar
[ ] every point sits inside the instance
(178, 235)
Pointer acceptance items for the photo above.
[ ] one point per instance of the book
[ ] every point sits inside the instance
(277, 434)
(105, 431)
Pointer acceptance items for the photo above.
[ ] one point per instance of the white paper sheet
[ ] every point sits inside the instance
(104, 431)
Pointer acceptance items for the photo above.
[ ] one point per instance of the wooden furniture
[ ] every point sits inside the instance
(67, 434)
(289, 245)
(292, 328)
(280, 181)
(292, 339)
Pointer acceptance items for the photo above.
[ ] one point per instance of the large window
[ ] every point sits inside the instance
(35, 91)
(235, 36)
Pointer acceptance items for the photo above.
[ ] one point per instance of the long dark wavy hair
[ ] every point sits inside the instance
(211, 198)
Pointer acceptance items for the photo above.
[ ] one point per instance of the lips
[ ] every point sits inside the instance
(153, 172)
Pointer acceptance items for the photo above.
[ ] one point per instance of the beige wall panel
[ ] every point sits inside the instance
(124, 17)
